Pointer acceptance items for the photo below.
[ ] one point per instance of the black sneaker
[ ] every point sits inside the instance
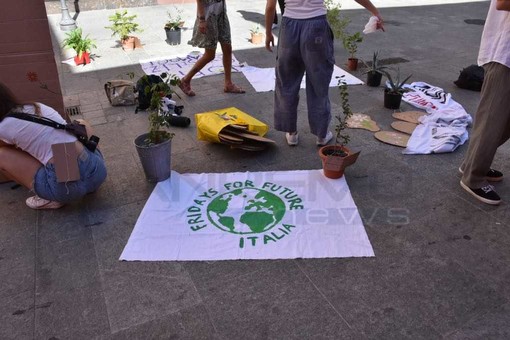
(485, 194)
(492, 175)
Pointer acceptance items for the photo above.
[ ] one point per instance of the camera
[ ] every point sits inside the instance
(80, 132)
(90, 143)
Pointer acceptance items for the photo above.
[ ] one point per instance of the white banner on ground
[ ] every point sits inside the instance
(180, 66)
(248, 215)
(263, 79)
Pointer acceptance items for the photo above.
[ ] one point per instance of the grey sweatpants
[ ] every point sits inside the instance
(491, 127)
(304, 45)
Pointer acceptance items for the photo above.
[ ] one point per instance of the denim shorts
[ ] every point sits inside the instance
(92, 175)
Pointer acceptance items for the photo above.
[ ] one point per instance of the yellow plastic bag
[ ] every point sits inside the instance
(209, 124)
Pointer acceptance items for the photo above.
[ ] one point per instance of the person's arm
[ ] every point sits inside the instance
(369, 6)
(503, 5)
(269, 16)
(201, 16)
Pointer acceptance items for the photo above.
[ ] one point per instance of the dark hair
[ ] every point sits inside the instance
(8, 101)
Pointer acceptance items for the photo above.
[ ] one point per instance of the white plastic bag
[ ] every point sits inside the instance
(371, 25)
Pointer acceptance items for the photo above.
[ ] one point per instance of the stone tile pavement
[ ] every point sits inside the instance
(441, 265)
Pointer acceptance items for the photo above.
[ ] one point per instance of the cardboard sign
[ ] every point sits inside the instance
(65, 159)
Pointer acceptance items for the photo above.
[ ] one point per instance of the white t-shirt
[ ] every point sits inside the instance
(304, 9)
(495, 44)
(34, 138)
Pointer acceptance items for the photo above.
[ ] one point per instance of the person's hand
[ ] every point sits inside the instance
(269, 42)
(201, 26)
(380, 23)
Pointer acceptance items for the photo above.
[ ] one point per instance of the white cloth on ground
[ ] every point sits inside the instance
(263, 79)
(444, 128)
(180, 66)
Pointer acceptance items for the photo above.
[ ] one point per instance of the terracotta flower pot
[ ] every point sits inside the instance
(131, 43)
(352, 64)
(256, 38)
(334, 165)
(84, 59)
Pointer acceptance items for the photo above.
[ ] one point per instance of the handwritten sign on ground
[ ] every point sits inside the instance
(180, 66)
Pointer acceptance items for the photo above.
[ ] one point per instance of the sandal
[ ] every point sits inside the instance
(233, 88)
(186, 88)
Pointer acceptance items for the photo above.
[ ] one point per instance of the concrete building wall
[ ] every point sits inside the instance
(26, 47)
(53, 6)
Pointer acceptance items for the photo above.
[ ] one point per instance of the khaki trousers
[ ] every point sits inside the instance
(491, 126)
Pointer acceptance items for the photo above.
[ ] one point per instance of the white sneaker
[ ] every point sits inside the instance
(325, 140)
(292, 138)
(36, 202)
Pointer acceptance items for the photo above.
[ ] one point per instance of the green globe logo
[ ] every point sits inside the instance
(246, 211)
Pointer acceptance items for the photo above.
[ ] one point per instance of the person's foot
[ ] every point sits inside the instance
(492, 175)
(325, 140)
(292, 138)
(485, 194)
(233, 88)
(186, 88)
(38, 203)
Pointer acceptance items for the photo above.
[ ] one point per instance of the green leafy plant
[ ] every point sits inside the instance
(351, 41)
(75, 40)
(123, 24)
(374, 66)
(174, 21)
(255, 29)
(394, 85)
(342, 138)
(337, 23)
(157, 120)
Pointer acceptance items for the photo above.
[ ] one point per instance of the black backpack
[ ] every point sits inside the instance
(471, 78)
(141, 84)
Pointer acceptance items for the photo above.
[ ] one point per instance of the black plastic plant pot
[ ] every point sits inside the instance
(173, 37)
(374, 78)
(392, 100)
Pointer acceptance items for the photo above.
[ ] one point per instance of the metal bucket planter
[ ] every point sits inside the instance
(173, 36)
(156, 159)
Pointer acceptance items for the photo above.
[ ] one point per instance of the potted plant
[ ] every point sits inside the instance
(335, 158)
(336, 22)
(122, 26)
(394, 90)
(374, 71)
(173, 27)
(154, 147)
(350, 42)
(81, 45)
(256, 35)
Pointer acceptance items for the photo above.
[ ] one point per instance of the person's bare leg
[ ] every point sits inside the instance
(19, 165)
(206, 58)
(227, 68)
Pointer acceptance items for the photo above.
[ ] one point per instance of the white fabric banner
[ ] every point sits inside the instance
(444, 128)
(263, 79)
(180, 66)
(248, 215)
